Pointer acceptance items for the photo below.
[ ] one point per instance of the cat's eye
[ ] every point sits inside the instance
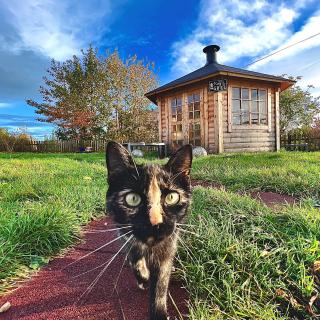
(133, 199)
(172, 198)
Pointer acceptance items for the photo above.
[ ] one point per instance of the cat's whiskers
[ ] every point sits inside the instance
(171, 180)
(99, 266)
(124, 261)
(187, 231)
(95, 281)
(88, 254)
(185, 246)
(185, 225)
(108, 230)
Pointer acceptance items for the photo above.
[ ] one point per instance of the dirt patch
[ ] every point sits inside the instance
(270, 199)
(54, 292)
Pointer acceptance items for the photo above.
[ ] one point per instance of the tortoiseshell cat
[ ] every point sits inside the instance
(148, 201)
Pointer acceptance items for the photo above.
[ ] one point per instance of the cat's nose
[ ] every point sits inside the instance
(155, 215)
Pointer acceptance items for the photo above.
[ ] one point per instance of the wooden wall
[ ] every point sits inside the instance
(252, 137)
(218, 132)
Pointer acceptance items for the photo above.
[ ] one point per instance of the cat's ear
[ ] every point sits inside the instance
(118, 158)
(181, 161)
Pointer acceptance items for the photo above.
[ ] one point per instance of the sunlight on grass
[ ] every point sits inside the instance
(292, 173)
(248, 258)
(44, 200)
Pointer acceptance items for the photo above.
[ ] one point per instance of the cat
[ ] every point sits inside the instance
(147, 202)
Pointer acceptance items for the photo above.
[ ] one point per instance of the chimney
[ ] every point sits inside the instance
(210, 52)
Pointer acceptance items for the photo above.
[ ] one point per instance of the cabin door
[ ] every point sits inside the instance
(186, 119)
(193, 119)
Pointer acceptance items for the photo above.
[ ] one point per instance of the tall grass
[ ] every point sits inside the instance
(43, 203)
(248, 261)
(293, 173)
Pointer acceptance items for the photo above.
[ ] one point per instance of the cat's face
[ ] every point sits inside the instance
(150, 198)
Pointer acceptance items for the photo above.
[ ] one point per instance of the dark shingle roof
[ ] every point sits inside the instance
(213, 69)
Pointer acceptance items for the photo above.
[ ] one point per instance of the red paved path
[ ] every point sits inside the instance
(52, 293)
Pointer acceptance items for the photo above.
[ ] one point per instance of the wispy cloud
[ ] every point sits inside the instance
(4, 105)
(35, 128)
(247, 30)
(56, 29)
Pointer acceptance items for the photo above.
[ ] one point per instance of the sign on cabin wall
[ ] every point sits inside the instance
(218, 85)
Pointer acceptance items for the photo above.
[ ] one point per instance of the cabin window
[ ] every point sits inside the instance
(194, 106)
(194, 119)
(249, 106)
(195, 134)
(176, 114)
(176, 109)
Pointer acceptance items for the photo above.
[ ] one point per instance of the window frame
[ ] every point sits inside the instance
(250, 105)
(194, 121)
(174, 122)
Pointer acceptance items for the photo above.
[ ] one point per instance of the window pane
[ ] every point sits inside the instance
(197, 126)
(254, 118)
(179, 135)
(235, 93)
(197, 106)
(236, 106)
(179, 117)
(179, 102)
(245, 94)
(254, 94)
(254, 106)
(196, 97)
(190, 115)
(236, 119)
(262, 107)
(190, 106)
(263, 118)
(245, 118)
(173, 102)
(174, 128)
(197, 114)
(262, 95)
(180, 142)
(197, 142)
(179, 109)
(179, 127)
(245, 105)
(190, 99)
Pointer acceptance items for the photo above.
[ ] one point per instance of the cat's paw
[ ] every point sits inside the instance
(142, 285)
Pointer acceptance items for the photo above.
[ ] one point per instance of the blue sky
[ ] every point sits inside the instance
(170, 33)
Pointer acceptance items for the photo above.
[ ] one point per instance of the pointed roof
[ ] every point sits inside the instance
(212, 68)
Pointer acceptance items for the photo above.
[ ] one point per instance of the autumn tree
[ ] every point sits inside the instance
(298, 107)
(99, 97)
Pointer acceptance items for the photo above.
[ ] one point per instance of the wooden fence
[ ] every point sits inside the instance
(64, 146)
(300, 142)
(56, 146)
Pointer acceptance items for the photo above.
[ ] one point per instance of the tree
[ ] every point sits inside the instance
(297, 107)
(10, 141)
(97, 97)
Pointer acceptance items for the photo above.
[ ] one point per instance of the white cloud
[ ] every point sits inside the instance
(241, 28)
(56, 29)
(4, 105)
(247, 30)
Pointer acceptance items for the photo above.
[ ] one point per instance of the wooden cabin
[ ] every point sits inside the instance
(221, 108)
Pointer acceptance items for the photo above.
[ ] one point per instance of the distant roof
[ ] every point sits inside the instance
(213, 68)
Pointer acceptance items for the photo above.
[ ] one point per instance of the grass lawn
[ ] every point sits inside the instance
(293, 173)
(246, 261)
(44, 199)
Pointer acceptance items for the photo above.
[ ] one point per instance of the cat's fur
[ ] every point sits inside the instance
(153, 222)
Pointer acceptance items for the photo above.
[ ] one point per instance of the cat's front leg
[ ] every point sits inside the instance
(159, 282)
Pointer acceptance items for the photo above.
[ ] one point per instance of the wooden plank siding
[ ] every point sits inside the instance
(250, 138)
(218, 133)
